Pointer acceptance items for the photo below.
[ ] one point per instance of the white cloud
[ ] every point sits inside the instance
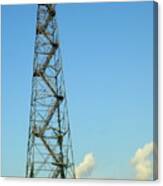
(142, 163)
(86, 166)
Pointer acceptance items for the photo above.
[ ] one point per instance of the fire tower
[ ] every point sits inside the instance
(49, 151)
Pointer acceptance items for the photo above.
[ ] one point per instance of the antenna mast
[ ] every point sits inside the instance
(49, 151)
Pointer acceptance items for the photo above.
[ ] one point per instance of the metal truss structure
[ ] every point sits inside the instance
(49, 151)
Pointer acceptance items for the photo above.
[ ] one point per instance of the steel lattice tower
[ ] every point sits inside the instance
(49, 151)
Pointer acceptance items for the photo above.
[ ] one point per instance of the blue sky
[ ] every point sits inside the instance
(107, 52)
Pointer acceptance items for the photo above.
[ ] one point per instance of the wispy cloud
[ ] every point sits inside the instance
(142, 163)
(86, 166)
